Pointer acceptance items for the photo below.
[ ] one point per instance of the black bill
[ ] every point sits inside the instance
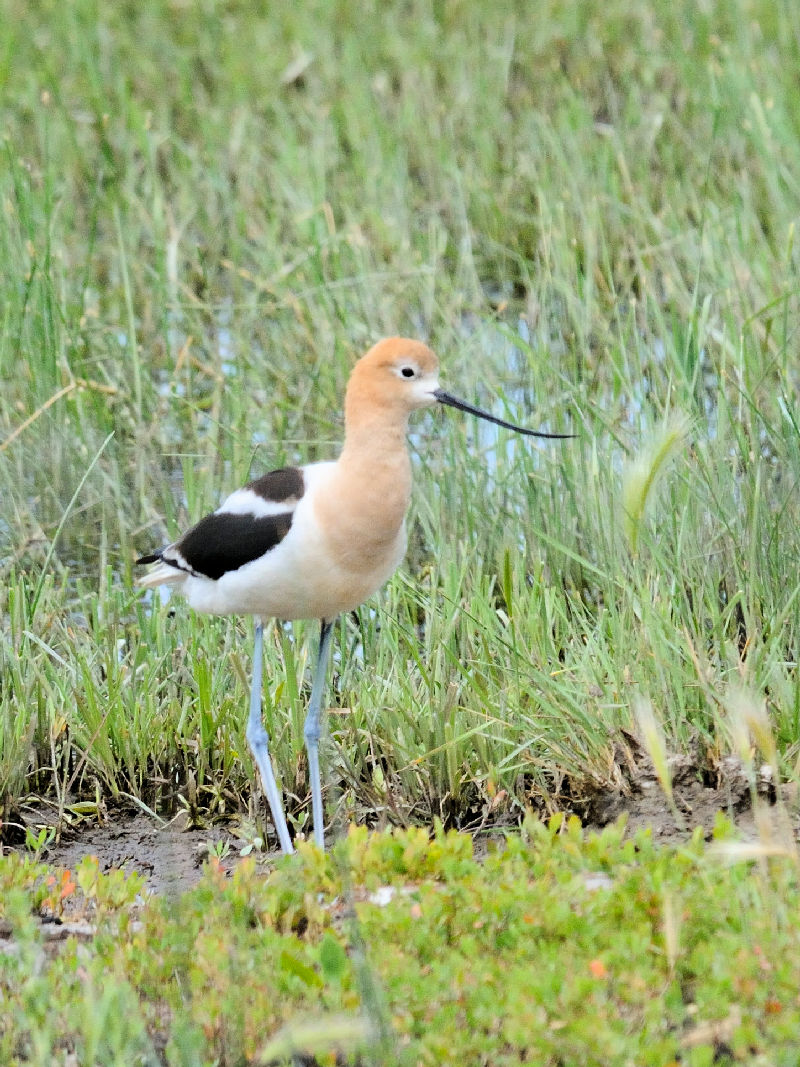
(462, 405)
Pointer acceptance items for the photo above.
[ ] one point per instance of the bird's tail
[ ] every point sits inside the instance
(163, 574)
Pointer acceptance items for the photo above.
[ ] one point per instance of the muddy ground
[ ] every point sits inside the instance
(171, 855)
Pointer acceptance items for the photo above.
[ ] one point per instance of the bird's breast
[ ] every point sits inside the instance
(362, 518)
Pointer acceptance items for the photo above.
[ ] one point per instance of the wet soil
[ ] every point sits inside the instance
(698, 796)
(170, 856)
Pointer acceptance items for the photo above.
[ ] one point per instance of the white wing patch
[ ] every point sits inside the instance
(246, 502)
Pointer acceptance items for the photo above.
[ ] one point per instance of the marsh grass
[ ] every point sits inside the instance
(591, 216)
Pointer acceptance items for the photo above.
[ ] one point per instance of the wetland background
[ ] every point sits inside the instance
(207, 212)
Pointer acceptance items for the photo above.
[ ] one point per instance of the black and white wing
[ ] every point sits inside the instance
(245, 527)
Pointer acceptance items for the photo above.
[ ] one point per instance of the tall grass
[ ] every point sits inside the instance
(590, 213)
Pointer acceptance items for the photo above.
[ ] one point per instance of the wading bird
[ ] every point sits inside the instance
(312, 542)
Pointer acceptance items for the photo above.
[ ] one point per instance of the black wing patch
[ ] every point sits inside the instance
(153, 557)
(223, 542)
(284, 484)
(226, 541)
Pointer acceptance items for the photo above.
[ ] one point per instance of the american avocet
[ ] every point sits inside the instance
(312, 542)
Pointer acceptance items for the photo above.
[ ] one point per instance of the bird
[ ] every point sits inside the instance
(316, 541)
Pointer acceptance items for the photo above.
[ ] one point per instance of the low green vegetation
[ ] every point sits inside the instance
(561, 948)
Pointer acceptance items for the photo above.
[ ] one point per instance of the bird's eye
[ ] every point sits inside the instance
(408, 372)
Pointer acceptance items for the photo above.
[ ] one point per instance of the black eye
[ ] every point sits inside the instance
(408, 372)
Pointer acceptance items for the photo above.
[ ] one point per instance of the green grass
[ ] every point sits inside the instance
(563, 948)
(588, 211)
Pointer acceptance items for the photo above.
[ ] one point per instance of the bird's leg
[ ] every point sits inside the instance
(313, 729)
(258, 741)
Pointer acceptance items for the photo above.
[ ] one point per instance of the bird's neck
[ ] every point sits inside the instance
(375, 438)
(363, 506)
(375, 459)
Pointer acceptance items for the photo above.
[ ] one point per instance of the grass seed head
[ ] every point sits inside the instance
(644, 470)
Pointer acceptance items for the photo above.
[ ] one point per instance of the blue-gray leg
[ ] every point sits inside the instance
(258, 741)
(313, 730)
